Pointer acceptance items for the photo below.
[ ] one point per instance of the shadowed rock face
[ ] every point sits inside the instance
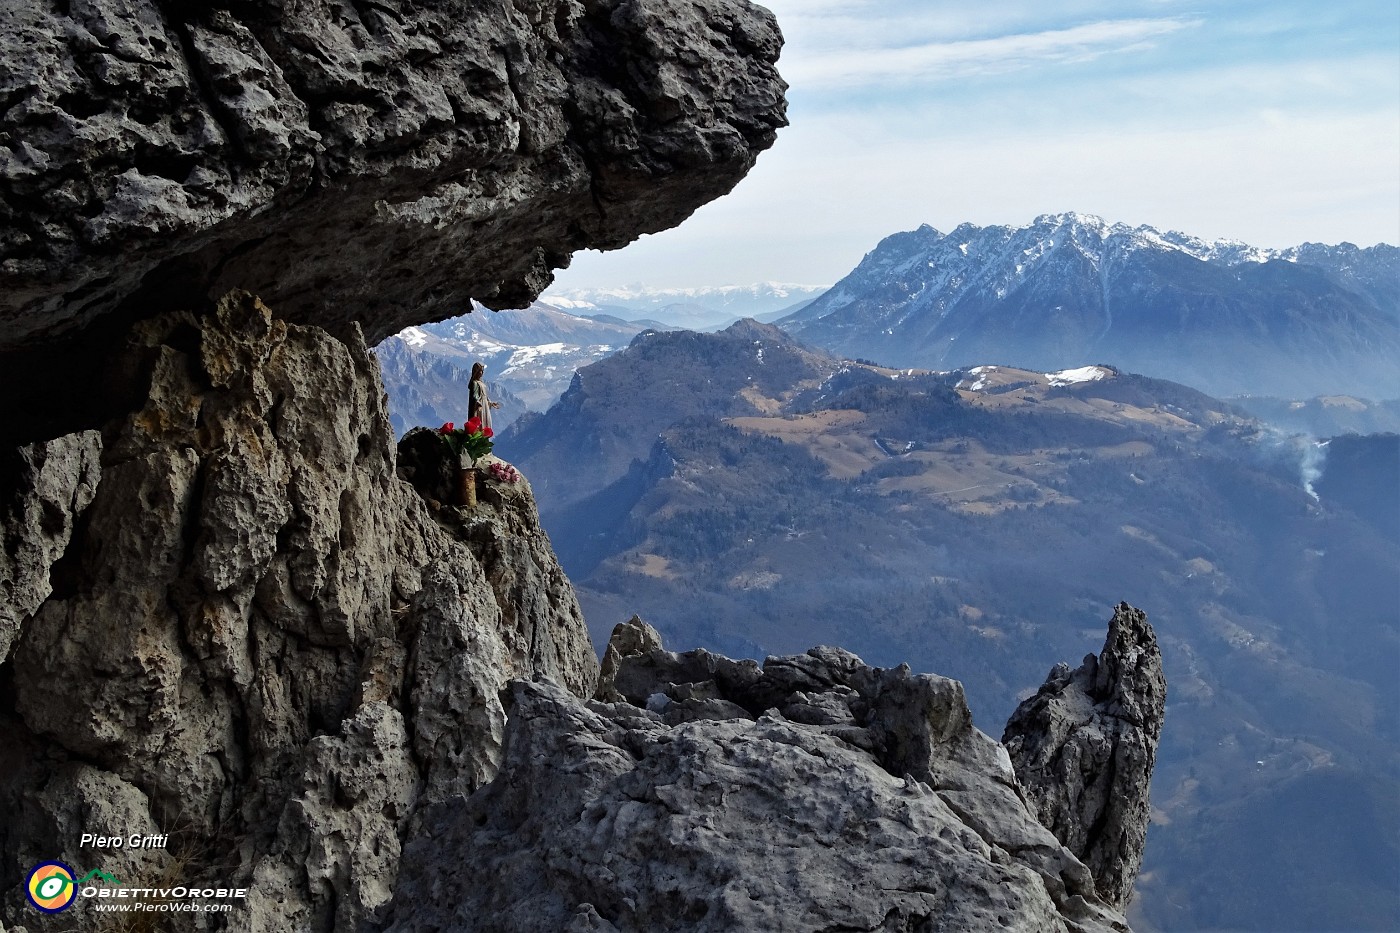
(700, 793)
(1084, 748)
(244, 630)
(354, 162)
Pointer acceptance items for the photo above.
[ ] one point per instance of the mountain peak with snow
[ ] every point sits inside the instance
(1068, 287)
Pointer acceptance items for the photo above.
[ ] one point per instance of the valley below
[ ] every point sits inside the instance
(759, 497)
(979, 508)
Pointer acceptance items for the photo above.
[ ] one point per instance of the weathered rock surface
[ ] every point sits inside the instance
(377, 163)
(537, 600)
(259, 639)
(1084, 748)
(812, 793)
(50, 484)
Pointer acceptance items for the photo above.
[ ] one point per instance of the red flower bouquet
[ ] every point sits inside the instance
(471, 440)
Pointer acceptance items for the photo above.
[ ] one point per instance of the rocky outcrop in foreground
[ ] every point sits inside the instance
(1084, 748)
(243, 630)
(703, 794)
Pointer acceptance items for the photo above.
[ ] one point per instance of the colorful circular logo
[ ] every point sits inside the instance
(50, 887)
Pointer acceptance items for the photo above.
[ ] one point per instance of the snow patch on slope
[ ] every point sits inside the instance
(979, 382)
(1083, 374)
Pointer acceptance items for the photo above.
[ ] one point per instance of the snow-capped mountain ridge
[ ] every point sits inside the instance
(704, 308)
(1097, 239)
(530, 353)
(1069, 287)
(1090, 231)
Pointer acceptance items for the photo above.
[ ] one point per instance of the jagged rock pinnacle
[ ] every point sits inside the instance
(1084, 747)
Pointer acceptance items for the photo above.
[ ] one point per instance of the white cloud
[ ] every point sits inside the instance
(964, 58)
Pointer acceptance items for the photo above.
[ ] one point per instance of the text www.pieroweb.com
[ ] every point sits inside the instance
(181, 907)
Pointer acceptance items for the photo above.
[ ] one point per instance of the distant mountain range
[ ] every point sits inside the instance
(753, 496)
(426, 389)
(531, 354)
(1070, 289)
(1270, 326)
(700, 309)
(530, 357)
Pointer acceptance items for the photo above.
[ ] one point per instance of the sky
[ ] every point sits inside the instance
(1274, 123)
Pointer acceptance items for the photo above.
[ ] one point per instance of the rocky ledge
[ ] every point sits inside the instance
(813, 792)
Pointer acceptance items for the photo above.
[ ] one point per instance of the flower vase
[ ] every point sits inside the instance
(466, 488)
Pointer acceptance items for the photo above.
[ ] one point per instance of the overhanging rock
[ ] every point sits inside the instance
(381, 163)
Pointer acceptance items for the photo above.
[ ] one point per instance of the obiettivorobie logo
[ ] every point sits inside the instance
(50, 887)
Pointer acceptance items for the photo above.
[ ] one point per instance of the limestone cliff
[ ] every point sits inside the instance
(251, 635)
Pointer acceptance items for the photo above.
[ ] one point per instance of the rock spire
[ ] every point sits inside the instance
(1084, 748)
